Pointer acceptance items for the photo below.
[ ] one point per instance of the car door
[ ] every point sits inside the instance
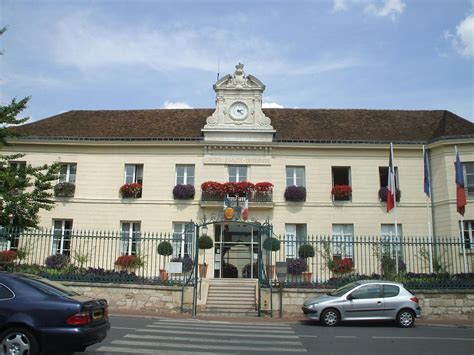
(392, 301)
(364, 302)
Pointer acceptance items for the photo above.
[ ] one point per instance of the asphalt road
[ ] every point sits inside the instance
(140, 335)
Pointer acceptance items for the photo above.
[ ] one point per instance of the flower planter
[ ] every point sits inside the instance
(64, 189)
(342, 192)
(307, 276)
(271, 272)
(163, 275)
(203, 271)
(183, 192)
(131, 190)
(295, 193)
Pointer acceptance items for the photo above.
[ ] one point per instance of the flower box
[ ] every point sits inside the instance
(129, 261)
(263, 187)
(64, 189)
(383, 192)
(131, 190)
(296, 266)
(342, 192)
(295, 193)
(183, 192)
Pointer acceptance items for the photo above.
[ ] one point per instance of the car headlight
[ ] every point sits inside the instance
(312, 306)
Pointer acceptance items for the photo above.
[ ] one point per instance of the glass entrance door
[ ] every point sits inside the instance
(236, 251)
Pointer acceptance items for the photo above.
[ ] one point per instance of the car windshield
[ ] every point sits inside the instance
(50, 287)
(342, 290)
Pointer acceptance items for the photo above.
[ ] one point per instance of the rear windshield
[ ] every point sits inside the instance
(50, 287)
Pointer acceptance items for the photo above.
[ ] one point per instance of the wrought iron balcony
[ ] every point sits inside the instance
(256, 199)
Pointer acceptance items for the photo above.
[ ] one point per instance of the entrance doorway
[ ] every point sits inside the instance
(236, 250)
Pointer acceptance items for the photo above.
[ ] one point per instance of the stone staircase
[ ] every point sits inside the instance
(231, 297)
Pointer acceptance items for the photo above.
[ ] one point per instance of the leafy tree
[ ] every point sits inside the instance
(24, 190)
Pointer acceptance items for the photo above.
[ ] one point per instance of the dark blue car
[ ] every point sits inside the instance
(38, 315)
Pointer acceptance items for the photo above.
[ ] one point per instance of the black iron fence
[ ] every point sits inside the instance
(312, 261)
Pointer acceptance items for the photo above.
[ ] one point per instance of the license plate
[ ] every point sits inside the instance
(97, 314)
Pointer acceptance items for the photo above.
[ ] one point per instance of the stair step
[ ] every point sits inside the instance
(227, 302)
(230, 297)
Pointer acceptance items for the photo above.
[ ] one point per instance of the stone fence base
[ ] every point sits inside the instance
(435, 304)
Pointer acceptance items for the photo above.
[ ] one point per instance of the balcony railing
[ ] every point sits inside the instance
(253, 197)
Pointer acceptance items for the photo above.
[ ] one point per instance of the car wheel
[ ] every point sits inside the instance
(405, 318)
(330, 317)
(18, 341)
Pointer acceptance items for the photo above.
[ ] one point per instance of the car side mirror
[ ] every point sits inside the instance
(350, 297)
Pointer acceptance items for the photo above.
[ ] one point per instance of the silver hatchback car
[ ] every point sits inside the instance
(365, 300)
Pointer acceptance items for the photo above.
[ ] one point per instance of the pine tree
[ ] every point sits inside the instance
(24, 190)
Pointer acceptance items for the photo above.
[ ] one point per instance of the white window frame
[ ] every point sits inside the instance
(343, 241)
(292, 176)
(61, 237)
(241, 173)
(137, 174)
(182, 246)
(391, 244)
(468, 238)
(468, 187)
(188, 174)
(295, 236)
(68, 176)
(130, 237)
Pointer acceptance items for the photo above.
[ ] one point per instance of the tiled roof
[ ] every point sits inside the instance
(290, 124)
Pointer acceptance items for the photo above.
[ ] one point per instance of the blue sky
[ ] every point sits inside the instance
(374, 54)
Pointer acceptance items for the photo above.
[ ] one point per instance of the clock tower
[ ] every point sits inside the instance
(238, 116)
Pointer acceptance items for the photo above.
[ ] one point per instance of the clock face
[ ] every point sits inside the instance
(238, 111)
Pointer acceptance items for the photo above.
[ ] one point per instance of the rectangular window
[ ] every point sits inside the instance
(237, 173)
(468, 234)
(383, 174)
(295, 176)
(129, 238)
(295, 237)
(185, 175)
(62, 229)
(343, 241)
(469, 178)
(341, 176)
(391, 241)
(134, 174)
(182, 239)
(67, 173)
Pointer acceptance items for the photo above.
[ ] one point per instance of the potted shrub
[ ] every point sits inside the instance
(164, 249)
(383, 192)
(64, 189)
(131, 190)
(341, 192)
(271, 244)
(205, 242)
(183, 192)
(295, 193)
(306, 251)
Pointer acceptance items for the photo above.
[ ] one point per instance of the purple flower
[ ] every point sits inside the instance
(182, 192)
(295, 193)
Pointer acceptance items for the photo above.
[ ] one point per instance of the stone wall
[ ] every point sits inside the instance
(435, 304)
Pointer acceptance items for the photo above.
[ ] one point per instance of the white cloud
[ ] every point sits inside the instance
(93, 44)
(382, 8)
(175, 105)
(463, 38)
(271, 105)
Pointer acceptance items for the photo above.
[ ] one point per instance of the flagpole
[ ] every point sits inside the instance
(462, 225)
(392, 176)
(428, 197)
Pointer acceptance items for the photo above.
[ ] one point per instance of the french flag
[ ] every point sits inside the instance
(460, 193)
(245, 211)
(391, 182)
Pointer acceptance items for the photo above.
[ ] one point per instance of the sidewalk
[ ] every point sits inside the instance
(275, 319)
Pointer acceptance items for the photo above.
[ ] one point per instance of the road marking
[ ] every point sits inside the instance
(307, 336)
(206, 346)
(229, 334)
(194, 321)
(424, 338)
(113, 349)
(226, 325)
(345, 336)
(126, 328)
(207, 340)
(203, 327)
